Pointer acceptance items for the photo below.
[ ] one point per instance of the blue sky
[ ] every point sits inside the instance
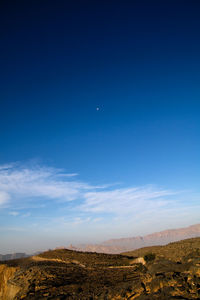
(70, 173)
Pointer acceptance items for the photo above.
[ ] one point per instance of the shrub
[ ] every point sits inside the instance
(149, 257)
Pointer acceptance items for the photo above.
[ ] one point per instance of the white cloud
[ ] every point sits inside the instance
(20, 186)
(14, 213)
(6, 166)
(57, 202)
(17, 213)
(22, 182)
(4, 197)
(80, 220)
(126, 200)
(26, 215)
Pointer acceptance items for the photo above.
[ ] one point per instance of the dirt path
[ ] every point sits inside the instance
(121, 267)
(38, 258)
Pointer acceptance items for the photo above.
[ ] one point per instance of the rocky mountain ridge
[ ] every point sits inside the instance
(116, 246)
(126, 244)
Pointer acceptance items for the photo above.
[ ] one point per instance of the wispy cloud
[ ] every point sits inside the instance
(126, 200)
(51, 204)
(19, 214)
(29, 182)
(18, 182)
(4, 197)
(25, 189)
(14, 213)
(7, 166)
(80, 220)
(26, 215)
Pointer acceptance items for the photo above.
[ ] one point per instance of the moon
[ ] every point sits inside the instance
(97, 108)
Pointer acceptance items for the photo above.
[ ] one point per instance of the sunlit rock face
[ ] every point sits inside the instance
(8, 290)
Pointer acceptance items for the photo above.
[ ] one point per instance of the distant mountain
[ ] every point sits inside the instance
(16, 255)
(127, 244)
(116, 246)
(12, 256)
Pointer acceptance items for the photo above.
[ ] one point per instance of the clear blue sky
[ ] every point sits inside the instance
(136, 159)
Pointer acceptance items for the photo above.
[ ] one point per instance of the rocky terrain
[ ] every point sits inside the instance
(166, 272)
(126, 244)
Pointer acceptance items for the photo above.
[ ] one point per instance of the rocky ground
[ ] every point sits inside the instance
(65, 274)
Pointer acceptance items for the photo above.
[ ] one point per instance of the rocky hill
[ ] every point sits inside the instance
(167, 272)
(126, 244)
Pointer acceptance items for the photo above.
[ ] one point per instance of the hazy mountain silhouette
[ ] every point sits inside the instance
(116, 246)
(126, 244)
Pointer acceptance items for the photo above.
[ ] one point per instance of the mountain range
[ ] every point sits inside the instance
(12, 256)
(116, 246)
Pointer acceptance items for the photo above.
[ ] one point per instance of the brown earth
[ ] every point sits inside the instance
(65, 274)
